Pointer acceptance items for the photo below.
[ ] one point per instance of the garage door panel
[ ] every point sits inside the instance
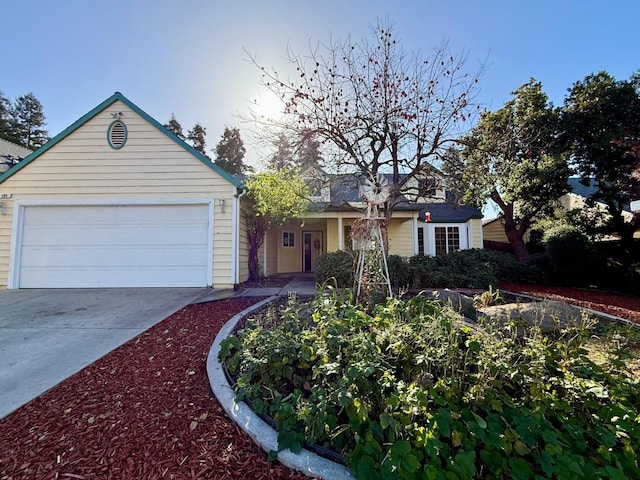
(126, 277)
(43, 257)
(115, 245)
(68, 214)
(83, 235)
(103, 235)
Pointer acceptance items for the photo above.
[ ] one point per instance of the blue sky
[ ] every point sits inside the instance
(187, 57)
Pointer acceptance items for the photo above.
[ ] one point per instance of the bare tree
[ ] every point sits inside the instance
(375, 108)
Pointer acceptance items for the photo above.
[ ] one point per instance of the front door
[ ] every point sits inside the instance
(312, 249)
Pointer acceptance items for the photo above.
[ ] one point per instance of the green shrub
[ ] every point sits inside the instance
(338, 266)
(410, 392)
(572, 257)
(399, 272)
(477, 268)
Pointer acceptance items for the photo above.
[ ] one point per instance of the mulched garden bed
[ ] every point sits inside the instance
(623, 306)
(144, 411)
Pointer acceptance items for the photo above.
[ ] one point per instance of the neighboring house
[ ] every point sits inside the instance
(10, 154)
(493, 229)
(430, 225)
(116, 200)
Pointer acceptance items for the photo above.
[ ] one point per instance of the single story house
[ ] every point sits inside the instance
(429, 224)
(116, 200)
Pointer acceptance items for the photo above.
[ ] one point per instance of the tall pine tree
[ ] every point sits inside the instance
(174, 126)
(28, 119)
(230, 152)
(7, 126)
(197, 138)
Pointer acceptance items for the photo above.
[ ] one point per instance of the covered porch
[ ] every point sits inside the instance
(296, 246)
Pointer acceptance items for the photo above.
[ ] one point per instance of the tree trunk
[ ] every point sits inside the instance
(516, 240)
(514, 233)
(255, 239)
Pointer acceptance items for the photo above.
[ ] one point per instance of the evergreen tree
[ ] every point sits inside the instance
(283, 156)
(173, 125)
(197, 138)
(308, 151)
(230, 152)
(513, 157)
(602, 128)
(29, 121)
(7, 126)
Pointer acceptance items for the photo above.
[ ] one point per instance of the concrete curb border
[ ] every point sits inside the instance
(266, 437)
(597, 313)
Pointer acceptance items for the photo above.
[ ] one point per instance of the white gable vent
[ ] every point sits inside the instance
(117, 134)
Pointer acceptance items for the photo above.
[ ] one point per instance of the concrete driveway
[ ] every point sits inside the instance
(48, 335)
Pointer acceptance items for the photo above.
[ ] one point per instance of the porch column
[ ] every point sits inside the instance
(340, 233)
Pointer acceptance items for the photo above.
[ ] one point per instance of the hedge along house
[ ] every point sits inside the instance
(431, 225)
(116, 200)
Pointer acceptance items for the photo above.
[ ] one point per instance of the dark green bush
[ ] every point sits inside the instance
(335, 265)
(399, 272)
(471, 269)
(572, 257)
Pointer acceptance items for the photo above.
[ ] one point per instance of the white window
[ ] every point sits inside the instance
(447, 240)
(440, 239)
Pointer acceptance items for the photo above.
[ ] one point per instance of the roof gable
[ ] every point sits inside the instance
(117, 96)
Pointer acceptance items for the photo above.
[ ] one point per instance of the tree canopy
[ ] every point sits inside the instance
(230, 152)
(375, 107)
(23, 121)
(299, 152)
(197, 138)
(174, 126)
(601, 120)
(272, 198)
(513, 157)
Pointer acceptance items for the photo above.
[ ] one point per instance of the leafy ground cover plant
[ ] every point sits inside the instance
(410, 390)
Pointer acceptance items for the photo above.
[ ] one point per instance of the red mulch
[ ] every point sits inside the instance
(619, 305)
(144, 411)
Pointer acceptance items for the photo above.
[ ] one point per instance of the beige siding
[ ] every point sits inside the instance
(268, 253)
(401, 237)
(476, 233)
(494, 232)
(83, 167)
(290, 258)
(243, 252)
(272, 252)
(332, 235)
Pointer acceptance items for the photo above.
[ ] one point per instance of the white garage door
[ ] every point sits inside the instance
(115, 246)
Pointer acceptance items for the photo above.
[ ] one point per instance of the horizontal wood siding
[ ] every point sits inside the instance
(401, 237)
(476, 233)
(270, 246)
(494, 232)
(243, 252)
(83, 167)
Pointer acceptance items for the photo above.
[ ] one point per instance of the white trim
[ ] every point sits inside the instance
(340, 233)
(430, 236)
(13, 280)
(235, 227)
